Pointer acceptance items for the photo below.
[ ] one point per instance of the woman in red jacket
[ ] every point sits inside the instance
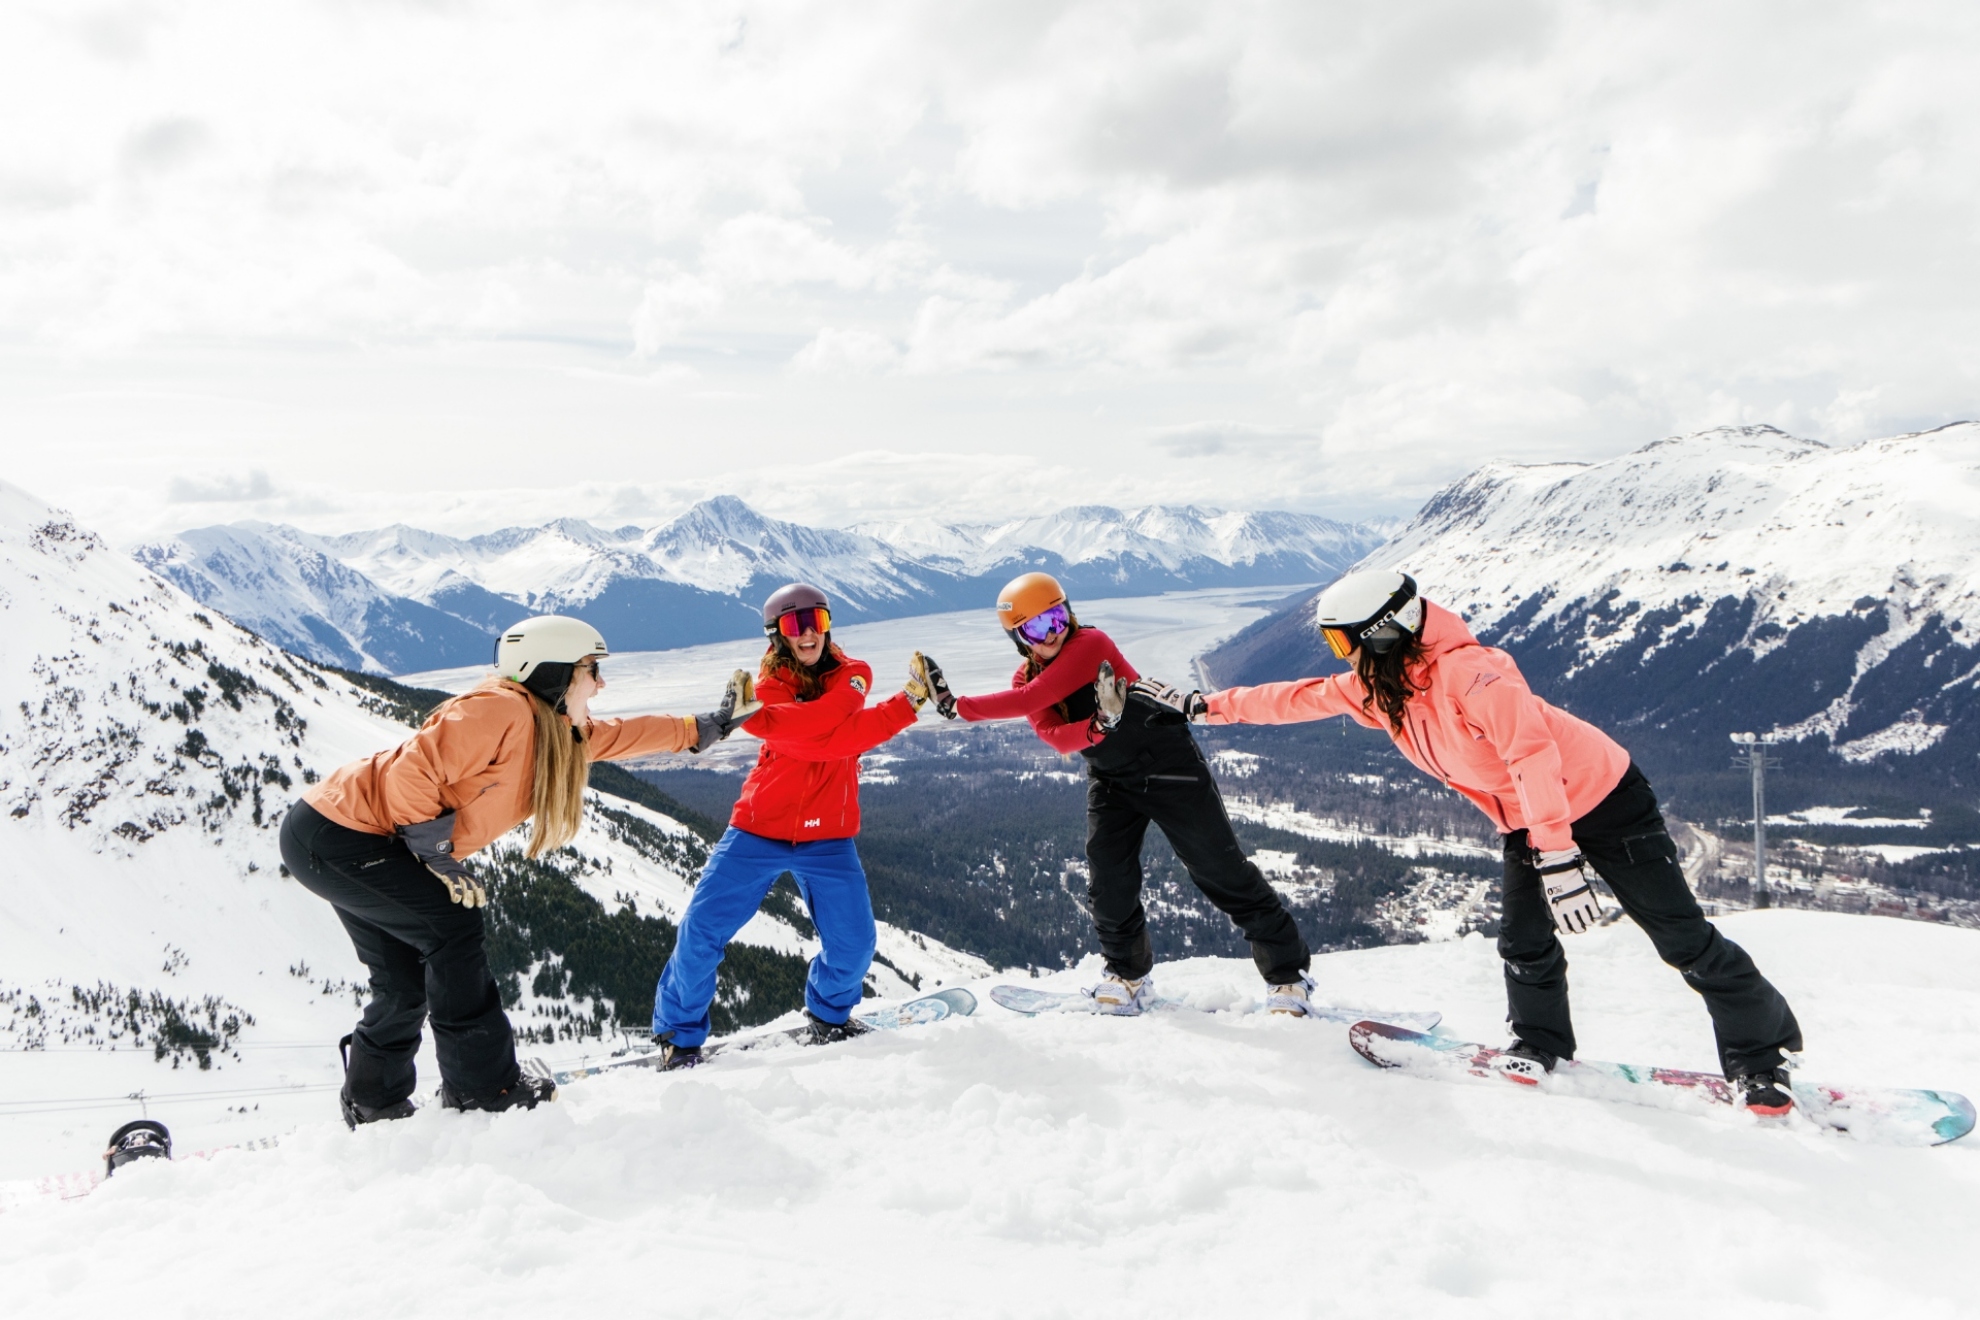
(1143, 766)
(1562, 793)
(798, 812)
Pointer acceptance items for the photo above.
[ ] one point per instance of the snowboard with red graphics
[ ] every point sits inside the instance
(1882, 1114)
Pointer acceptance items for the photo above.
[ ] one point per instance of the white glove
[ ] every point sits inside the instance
(1564, 875)
(1110, 691)
(1190, 705)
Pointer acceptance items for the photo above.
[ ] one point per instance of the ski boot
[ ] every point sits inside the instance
(355, 1113)
(1121, 997)
(526, 1092)
(1294, 999)
(1769, 1093)
(826, 1033)
(1525, 1063)
(137, 1140)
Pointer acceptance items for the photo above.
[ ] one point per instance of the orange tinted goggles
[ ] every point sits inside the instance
(1339, 642)
(799, 622)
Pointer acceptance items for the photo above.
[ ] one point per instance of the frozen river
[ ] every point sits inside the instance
(1162, 635)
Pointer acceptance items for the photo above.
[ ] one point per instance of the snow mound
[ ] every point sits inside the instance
(1184, 1164)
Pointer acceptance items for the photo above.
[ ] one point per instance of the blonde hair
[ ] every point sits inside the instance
(562, 768)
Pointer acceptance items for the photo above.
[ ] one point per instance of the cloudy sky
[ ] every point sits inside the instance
(466, 264)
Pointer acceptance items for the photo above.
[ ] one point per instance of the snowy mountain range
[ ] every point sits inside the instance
(1736, 579)
(148, 751)
(401, 600)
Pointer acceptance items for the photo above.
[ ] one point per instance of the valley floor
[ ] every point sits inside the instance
(1177, 1165)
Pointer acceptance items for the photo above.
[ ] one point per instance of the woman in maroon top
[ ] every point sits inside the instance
(1081, 695)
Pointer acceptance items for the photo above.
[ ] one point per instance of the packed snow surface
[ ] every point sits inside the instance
(1185, 1164)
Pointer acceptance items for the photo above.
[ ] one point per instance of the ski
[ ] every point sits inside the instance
(1882, 1114)
(954, 1002)
(1032, 1003)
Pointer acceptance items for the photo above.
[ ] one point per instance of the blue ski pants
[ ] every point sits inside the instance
(740, 871)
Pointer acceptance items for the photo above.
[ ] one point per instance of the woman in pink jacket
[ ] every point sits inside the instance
(1561, 792)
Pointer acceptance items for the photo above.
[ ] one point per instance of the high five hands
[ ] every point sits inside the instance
(925, 683)
(1111, 693)
(738, 704)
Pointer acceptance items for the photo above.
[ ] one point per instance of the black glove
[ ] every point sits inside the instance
(738, 704)
(432, 841)
(925, 683)
(1190, 705)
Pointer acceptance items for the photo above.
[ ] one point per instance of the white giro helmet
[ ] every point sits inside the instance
(1373, 608)
(540, 653)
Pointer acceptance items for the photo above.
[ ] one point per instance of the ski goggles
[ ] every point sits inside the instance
(1340, 641)
(1044, 627)
(796, 623)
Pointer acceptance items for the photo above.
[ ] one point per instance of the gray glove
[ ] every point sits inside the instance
(432, 841)
(925, 683)
(1110, 692)
(1564, 876)
(738, 704)
(1190, 705)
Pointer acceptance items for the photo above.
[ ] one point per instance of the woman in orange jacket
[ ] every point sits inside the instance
(382, 840)
(1562, 793)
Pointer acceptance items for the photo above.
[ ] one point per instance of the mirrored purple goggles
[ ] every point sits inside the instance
(1044, 627)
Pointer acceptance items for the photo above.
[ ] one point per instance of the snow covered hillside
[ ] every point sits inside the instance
(146, 932)
(1183, 1165)
(399, 599)
(1731, 580)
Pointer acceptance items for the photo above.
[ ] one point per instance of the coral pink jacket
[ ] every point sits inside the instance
(1476, 726)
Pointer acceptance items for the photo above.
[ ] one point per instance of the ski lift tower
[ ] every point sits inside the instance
(1753, 756)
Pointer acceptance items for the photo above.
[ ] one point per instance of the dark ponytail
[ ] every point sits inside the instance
(1386, 676)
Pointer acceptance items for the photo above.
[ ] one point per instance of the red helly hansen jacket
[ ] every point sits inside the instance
(805, 784)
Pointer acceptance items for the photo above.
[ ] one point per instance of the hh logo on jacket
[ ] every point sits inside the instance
(814, 822)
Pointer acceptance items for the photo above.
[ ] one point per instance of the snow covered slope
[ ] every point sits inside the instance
(147, 755)
(401, 599)
(1734, 579)
(1183, 1165)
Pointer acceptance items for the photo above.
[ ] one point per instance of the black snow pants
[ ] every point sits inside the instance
(1625, 840)
(426, 956)
(1153, 771)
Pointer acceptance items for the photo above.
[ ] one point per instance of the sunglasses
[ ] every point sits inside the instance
(799, 622)
(1044, 627)
(592, 668)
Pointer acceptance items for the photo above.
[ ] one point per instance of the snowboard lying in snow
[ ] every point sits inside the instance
(1031, 1003)
(1882, 1114)
(914, 1013)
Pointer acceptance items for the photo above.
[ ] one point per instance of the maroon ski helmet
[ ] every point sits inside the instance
(796, 596)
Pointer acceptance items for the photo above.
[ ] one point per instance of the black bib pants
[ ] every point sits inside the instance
(426, 954)
(1150, 769)
(1625, 840)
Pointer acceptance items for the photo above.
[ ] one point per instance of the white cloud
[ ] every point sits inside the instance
(1400, 239)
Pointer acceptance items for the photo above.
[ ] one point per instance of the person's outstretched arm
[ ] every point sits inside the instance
(1292, 703)
(1075, 667)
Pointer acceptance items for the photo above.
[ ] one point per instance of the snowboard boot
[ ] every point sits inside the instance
(1525, 1063)
(1120, 996)
(526, 1092)
(1292, 1000)
(826, 1033)
(674, 1056)
(1768, 1093)
(355, 1113)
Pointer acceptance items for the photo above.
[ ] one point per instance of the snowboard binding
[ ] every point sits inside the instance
(139, 1139)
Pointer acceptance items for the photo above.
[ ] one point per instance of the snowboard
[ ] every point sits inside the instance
(1882, 1114)
(954, 1002)
(72, 1186)
(1031, 1003)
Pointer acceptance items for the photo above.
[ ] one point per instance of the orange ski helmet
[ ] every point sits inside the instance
(1025, 597)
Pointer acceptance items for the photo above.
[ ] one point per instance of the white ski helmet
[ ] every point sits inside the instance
(540, 653)
(1374, 608)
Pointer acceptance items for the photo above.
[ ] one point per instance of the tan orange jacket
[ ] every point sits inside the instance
(476, 758)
